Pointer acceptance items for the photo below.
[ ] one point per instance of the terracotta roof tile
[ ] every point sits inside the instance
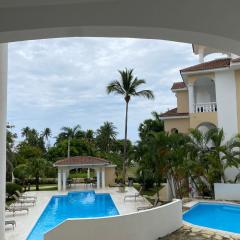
(178, 85)
(173, 113)
(218, 63)
(84, 160)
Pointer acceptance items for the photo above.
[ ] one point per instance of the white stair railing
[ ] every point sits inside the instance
(205, 107)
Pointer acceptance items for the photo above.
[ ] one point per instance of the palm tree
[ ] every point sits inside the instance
(106, 135)
(70, 133)
(46, 133)
(127, 86)
(25, 131)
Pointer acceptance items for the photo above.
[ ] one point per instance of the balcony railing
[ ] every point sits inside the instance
(205, 107)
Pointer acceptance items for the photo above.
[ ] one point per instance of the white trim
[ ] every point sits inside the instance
(179, 89)
(175, 117)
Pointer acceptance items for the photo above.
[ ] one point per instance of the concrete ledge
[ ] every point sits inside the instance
(227, 191)
(146, 225)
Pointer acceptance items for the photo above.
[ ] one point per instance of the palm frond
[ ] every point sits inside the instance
(115, 87)
(145, 93)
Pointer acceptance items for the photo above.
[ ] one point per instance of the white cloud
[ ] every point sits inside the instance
(61, 82)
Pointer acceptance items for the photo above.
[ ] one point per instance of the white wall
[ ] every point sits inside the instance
(227, 191)
(226, 102)
(145, 225)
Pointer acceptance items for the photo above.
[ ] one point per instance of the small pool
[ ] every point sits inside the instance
(220, 216)
(74, 205)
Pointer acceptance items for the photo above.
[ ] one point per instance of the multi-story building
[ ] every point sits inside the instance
(208, 96)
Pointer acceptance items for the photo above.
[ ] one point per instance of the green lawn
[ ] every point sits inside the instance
(44, 187)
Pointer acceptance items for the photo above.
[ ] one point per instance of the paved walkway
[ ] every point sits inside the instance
(25, 222)
(192, 233)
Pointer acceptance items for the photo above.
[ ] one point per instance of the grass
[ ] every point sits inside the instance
(132, 171)
(44, 187)
(81, 175)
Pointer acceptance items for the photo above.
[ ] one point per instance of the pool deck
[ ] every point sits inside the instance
(25, 222)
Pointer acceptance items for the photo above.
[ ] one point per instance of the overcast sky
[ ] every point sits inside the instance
(62, 82)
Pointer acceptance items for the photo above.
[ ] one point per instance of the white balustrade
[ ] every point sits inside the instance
(205, 107)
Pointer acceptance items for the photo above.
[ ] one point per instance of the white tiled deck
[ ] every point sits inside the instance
(25, 222)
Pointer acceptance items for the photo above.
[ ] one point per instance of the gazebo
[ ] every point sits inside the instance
(105, 171)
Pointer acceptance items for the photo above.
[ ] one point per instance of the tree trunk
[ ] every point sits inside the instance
(37, 183)
(125, 143)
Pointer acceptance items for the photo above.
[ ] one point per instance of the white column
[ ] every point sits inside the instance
(103, 177)
(88, 172)
(98, 178)
(191, 97)
(59, 180)
(64, 179)
(3, 120)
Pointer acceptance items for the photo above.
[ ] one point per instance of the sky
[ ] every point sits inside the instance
(62, 82)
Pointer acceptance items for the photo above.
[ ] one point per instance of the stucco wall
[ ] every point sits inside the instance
(195, 77)
(182, 101)
(110, 176)
(197, 118)
(146, 225)
(227, 191)
(237, 79)
(181, 124)
(226, 102)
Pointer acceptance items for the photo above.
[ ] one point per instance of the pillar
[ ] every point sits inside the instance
(64, 179)
(88, 173)
(59, 180)
(191, 97)
(3, 120)
(103, 177)
(98, 178)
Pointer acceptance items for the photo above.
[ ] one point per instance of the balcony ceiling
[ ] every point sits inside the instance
(213, 23)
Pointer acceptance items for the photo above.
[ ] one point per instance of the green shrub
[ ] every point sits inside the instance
(11, 188)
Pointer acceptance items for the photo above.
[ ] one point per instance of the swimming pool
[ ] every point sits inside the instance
(220, 216)
(85, 204)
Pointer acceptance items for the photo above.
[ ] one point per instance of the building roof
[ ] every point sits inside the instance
(178, 85)
(81, 160)
(173, 113)
(217, 63)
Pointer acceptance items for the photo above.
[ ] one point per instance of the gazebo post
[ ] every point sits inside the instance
(103, 177)
(64, 179)
(59, 179)
(98, 178)
(88, 172)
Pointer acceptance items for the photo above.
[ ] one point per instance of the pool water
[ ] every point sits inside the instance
(220, 216)
(74, 205)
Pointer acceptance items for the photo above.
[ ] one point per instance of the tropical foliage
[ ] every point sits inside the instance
(198, 159)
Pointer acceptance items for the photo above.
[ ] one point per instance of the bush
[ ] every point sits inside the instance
(146, 179)
(11, 188)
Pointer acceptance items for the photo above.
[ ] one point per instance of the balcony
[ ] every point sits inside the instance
(205, 107)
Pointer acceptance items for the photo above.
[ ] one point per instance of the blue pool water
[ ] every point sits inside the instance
(220, 216)
(74, 205)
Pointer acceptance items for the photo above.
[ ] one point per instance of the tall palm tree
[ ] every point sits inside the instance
(127, 86)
